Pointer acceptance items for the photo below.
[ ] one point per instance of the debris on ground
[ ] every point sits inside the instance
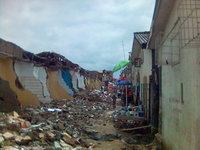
(78, 124)
(128, 117)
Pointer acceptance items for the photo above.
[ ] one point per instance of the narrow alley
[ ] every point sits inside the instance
(99, 74)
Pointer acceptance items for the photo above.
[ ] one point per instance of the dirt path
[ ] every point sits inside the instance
(104, 127)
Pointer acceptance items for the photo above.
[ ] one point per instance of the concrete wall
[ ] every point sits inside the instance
(180, 98)
(40, 74)
(7, 73)
(93, 84)
(8, 98)
(74, 80)
(146, 67)
(78, 80)
(180, 117)
(33, 79)
(81, 81)
(145, 71)
(55, 89)
(64, 84)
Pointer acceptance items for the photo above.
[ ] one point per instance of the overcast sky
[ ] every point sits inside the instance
(87, 32)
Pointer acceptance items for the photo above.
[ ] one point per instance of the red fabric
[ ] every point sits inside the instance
(129, 92)
(114, 79)
(123, 78)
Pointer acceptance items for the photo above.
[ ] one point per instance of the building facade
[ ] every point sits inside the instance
(175, 39)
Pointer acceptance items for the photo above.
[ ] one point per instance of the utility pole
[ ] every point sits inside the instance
(123, 48)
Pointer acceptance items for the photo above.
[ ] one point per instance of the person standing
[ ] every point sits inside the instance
(114, 98)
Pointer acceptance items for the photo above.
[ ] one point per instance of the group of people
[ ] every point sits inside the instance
(125, 93)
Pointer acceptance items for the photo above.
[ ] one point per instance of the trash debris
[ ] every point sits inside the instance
(67, 124)
(54, 110)
(128, 117)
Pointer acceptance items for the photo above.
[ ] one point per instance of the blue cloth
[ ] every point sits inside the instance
(68, 79)
(124, 83)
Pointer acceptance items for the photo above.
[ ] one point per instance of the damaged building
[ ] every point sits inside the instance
(32, 79)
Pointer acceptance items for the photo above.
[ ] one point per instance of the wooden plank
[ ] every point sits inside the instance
(136, 128)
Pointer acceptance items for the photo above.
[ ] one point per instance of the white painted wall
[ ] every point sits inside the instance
(75, 81)
(145, 71)
(146, 67)
(23, 69)
(40, 74)
(78, 81)
(81, 83)
(181, 117)
(33, 79)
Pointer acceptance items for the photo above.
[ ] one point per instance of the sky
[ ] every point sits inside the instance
(87, 32)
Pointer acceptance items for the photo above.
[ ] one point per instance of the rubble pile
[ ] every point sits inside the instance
(59, 125)
(80, 124)
(95, 96)
(127, 117)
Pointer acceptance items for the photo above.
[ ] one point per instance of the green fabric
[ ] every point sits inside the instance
(121, 65)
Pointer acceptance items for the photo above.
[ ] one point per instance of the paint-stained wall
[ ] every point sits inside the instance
(81, 81)
(34, 83)
(74, 80)
(8, 98)
(93, 83)
(78, 81)
(40, 74)
(180, 96)
(7, 73)
(55, 89)
(64, 84)
(67, 78)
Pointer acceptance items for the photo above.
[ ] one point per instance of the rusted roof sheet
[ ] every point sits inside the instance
(142, 38)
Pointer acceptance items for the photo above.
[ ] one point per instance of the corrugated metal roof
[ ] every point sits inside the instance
(142, 37)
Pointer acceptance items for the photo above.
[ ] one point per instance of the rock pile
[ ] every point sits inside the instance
(57, 125)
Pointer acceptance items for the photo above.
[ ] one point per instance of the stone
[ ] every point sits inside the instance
(65, 133)
(129, 140)
(57, 144)
(65, 145)
(50, 135)
(13, 123)
(25, 124)
(82, 143)
(69, 141)
(22, 140)
(79, 148)
(109, 137)
(8, 136)
(41, 135)
(15, 114)
(1, 139)
(9, 148)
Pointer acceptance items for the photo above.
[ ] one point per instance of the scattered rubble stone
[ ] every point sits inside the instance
(123, 120)
(109, 137)
(8, 136)
(63, 124)
(22, 140)
(1, 139)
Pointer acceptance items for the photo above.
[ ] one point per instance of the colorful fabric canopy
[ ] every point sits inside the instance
(121, 65)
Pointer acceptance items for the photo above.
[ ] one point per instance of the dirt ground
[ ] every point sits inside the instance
(80, 124)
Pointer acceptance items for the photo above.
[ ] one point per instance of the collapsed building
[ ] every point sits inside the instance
(31, 79)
